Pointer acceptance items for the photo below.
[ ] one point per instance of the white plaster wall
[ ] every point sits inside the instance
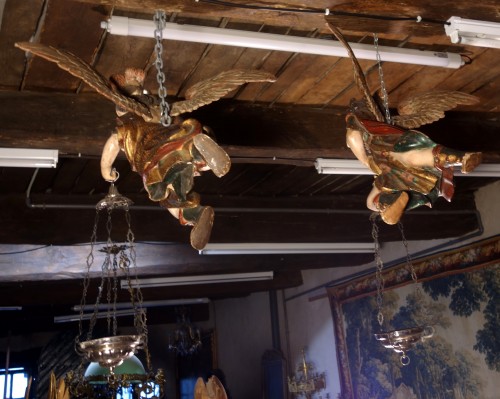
(488, 204)
(243, 328)
(311, 329)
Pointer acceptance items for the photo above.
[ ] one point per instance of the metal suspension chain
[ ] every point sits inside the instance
(140, 319)
(379, 267)
(409, 263)
(86, 280)
(385, 97)
(160, 21)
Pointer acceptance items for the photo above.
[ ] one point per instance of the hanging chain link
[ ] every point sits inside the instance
(140, 319)
(86, 280)
(160, 20)
(409, 263)
(385, 97)
(379, 267)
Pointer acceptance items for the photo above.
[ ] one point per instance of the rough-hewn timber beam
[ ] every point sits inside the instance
(428, 9)
(80, 124)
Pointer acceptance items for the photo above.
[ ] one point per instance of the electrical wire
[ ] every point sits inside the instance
(263, 8)
(82, 245)
(326, 11)
(25, 250)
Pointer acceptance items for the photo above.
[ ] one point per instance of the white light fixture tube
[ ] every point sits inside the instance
(28, 158)
(10, 308)
(88, 316)
(145, 304)
(230, 37)
(473, 32)
(285, 248)
(341, 167)
(355, 167)
(205, 279)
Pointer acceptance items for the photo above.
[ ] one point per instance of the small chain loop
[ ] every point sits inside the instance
(385, 97)
(160, 20)
(404, 359)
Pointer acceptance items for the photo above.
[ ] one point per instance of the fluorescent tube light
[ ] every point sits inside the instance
(205, 279)
(473, 32)
(230, 37)
(341, 167)
(355, 167)
(88, 316)
(285, 248)
(10, 308)
(145, 304)
(28, 158)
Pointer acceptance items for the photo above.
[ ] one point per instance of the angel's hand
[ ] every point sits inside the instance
(109, 154)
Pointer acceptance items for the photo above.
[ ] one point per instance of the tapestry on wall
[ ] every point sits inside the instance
(459, 295)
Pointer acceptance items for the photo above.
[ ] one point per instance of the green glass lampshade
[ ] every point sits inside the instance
(131, 366)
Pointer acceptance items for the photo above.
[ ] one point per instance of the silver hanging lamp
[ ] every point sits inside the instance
(114, 366)
(399, 340)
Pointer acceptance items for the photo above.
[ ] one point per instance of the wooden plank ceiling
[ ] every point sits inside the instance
(273, 131)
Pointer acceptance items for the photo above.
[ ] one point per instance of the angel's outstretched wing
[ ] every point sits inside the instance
(429, 107)
(79, 68)
(359, 76)
(200, 389)
(213, 389)
(213, 89)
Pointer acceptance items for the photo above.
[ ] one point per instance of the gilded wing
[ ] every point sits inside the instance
(215, 388)
(62, 390)
(200, 389)
(429, 107)
(79, 68)
(52, 392)
(213, 89)
(359, 76)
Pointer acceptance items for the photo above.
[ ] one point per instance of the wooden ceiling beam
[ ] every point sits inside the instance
(427, 9)
(279, 221)
(200, 9)
(80, 125)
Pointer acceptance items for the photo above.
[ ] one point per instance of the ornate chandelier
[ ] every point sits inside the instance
(305, 382)
(186, 338)
(114, 368)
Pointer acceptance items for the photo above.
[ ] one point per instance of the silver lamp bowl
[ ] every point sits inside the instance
(111, 351)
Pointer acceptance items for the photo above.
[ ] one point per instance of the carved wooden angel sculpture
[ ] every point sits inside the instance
(167, 158)
(411, 170)
(213, 389)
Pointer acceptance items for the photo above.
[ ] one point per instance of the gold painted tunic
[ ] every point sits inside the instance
(161, 154)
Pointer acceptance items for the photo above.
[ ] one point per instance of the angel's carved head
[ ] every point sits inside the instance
(360, 109)
(131, 82)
